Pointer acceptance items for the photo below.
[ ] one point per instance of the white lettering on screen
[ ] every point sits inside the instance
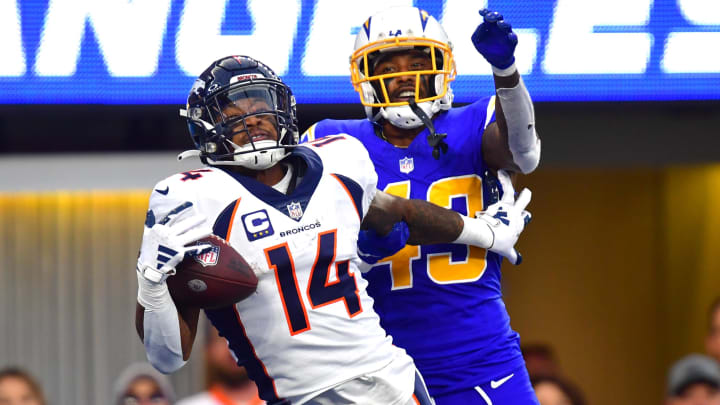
(11, 48)
(695, 52)
(574, 48)
(199, 39)
(331, 38)
(129, 35)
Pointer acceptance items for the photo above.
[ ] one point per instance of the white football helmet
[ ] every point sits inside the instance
(394, 30)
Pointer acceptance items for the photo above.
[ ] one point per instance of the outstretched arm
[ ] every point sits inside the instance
(391, 222)
(511, 141)
(427, 223)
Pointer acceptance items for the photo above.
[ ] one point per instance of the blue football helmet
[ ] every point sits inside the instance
(222, 87)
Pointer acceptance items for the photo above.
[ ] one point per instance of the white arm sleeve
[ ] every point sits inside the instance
(161, 326)
(519, 114)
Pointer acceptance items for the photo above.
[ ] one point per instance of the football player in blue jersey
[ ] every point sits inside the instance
(442, 302)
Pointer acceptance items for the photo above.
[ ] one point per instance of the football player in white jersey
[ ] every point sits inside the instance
(309, 334)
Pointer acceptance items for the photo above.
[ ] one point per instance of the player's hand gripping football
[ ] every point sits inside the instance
(507, 219)
(495, 40)
(164, 242)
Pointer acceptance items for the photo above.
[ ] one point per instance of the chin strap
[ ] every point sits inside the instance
(434, 139)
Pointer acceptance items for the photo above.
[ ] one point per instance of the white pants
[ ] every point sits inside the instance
(393, 384)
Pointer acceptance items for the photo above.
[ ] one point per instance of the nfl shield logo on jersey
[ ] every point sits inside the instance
(209, 258)
(407, 165)
(295, 210)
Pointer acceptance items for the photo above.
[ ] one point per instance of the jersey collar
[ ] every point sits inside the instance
(287, 203)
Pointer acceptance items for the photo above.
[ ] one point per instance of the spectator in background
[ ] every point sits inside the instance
(712, 341)
(540, 359)
(227, 383)
(17, 387)
(554, 390)
(141, 384)
(694, 380)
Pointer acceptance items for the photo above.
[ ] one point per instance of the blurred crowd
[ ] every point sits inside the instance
(692, 380)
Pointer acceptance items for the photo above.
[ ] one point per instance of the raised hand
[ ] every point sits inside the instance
(163, 245)
(495, 40)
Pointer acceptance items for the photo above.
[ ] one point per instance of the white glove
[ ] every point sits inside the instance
(507, 219)
(498, 228)
(163, 245)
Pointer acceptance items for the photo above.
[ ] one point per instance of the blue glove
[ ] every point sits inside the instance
(495, 40)
(373, 247)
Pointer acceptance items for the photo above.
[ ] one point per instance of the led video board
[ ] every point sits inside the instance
(149, 51)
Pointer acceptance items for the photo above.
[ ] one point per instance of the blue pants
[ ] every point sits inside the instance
(511, 389)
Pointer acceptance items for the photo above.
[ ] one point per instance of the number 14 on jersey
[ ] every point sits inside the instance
(320, 290)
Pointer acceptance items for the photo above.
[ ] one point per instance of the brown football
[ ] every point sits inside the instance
(216, 279)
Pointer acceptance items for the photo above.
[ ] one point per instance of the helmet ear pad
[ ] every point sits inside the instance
(368, 93)
(438, 85)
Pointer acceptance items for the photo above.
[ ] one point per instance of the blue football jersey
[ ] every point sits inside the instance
(442, 303)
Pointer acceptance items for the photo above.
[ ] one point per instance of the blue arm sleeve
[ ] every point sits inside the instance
(373, 247)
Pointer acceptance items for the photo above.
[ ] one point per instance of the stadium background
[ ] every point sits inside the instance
(620, 260)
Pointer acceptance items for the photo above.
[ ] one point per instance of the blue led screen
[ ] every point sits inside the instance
(150, 51)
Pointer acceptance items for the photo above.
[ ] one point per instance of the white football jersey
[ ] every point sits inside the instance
(310, 325)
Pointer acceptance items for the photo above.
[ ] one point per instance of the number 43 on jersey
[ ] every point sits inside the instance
(462, 193)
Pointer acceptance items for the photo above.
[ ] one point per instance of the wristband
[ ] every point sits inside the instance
(476, 232)
(508, 71)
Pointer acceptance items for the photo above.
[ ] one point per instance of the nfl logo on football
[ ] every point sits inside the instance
(209, 258)
(407, 165)
(295, 210)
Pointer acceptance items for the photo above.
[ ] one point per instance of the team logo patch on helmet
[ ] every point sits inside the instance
(424, 18)
(366, 26)
(295, 210)
(407, 165)
(209, 258)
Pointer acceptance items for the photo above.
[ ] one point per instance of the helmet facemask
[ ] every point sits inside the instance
(372, 85)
